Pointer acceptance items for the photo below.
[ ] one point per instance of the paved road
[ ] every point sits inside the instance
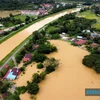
(7, 46)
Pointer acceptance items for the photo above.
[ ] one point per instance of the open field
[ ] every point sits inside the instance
(7, 46)
(69, 80)
(89, 15)
(97, 26)
(22, 17)
(6, 13)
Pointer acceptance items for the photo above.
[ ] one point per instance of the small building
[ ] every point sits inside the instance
(1, 31)
(12, 74)
(64, 38)
(47, 6)
(27, 57)
(1, 25)
(35, 46)
(93, 35)
(5, 66)
(79, 37)
(30, 12)
(80, 42)
(94, 45)
(87, 31)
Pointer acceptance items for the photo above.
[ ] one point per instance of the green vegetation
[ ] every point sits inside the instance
(93, 60)
(89, 15)
(39, 57)
(50, 64)
(40, 65)
(33, 88)
(97, 26)
(46, 48)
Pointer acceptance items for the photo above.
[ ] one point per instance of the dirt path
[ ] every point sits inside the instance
(7, 46)
(69, 81)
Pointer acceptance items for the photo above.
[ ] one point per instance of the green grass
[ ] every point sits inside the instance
(97, 25)
(12, 52)
(22, 17)
(89, 15)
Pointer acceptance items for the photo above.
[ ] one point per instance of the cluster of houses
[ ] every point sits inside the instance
(80, 40)
(40, 12)
(13, 73)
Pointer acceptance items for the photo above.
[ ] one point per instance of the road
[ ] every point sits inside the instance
(7, 46)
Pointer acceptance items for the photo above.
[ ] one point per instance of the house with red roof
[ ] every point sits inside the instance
(47, 6)
(94, 45)
(5, 66)
(27, 57)
(12, 74)
(35, 46)
(80, 42)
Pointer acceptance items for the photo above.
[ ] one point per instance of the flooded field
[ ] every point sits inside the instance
(69, 81)
(6, 13)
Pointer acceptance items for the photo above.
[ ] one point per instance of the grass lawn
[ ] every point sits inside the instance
(97, 25)
(89, 15)
(22, 17)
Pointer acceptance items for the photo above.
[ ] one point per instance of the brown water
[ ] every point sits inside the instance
(6, 13)
(69, 81)
(7, 46)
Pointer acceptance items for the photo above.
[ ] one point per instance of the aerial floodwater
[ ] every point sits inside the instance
(69, 81)
(7, 46)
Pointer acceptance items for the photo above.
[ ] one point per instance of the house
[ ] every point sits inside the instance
(1, 31)
(80, 42)
(1, 25)
(47, 6)
(5, 66)
(42, 12)
(94, 45)
(30, 12)
(27, 57)
(35, 46)
(64, 38)
(12, 74)
(87, 31)
(93, 35)
(79, 37)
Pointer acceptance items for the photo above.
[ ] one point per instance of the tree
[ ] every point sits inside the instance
(40, 65)
(97, 66)
(90, 60)
(46, 48)
(50, 65)
(36, 78)
(33, 88)
(39, 57)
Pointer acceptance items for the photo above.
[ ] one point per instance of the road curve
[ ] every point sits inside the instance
(7, 46)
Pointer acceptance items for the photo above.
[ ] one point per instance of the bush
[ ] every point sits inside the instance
(33, 88)
(46, 48)
(40, 65)
(28, 62)
(39, 57)
(22, 69)
(51, 65)
(21, 90)
(55, 36)
(49, 69)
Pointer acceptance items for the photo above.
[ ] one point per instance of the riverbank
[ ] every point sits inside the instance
(10, 44)
(69, 80)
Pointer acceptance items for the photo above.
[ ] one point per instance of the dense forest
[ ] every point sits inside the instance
(19, 4)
